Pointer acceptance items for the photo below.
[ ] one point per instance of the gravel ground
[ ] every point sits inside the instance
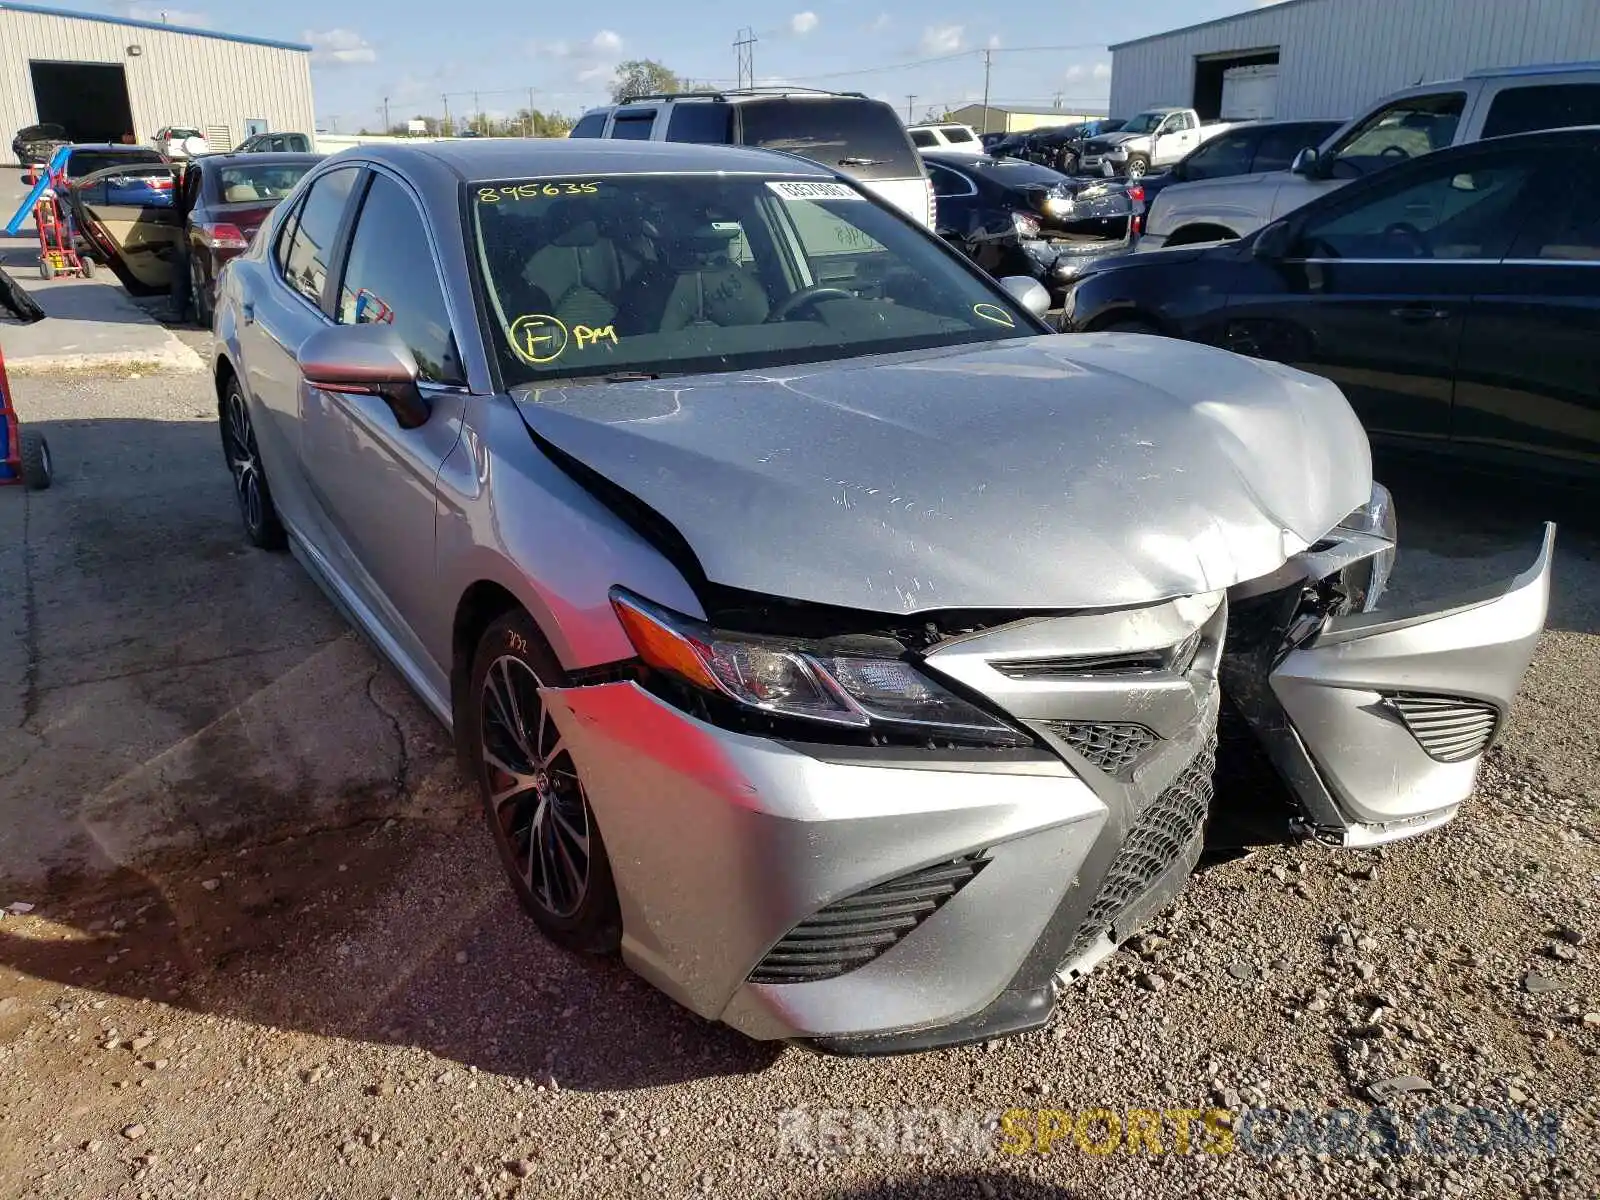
(353, 1006)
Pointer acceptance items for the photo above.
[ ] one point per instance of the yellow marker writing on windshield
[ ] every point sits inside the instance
(538, 338)
(993, 312)
(588, 335)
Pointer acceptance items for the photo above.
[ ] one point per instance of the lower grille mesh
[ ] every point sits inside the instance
(1173, 820)
(850, 933)
(1113, 748)
(1449, 728)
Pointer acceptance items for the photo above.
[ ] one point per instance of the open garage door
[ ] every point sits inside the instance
(88, 100)
(1246, 80)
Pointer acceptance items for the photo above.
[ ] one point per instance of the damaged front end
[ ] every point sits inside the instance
(1375, 721)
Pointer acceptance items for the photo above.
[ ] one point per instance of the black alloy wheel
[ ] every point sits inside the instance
(256, 510)
(533, 796)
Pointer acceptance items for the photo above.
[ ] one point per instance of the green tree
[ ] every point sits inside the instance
(644, 77)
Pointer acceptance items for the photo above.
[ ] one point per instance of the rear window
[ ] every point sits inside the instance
(591, 126)
(1528, 109)
(251, 184)
(863, 138)
(87, 162)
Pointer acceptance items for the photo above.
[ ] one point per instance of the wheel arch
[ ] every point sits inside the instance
(1125, 313)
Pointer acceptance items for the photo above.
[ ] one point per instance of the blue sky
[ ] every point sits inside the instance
(414, 51)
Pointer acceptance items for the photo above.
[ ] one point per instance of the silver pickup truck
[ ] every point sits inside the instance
(1151, 141)
(1400, 126)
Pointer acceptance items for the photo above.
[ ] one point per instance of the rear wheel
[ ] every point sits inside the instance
(256, 511)
(199, 300)
(533, 797)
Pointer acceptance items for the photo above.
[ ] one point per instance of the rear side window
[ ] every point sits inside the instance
(1571, 231)
(923, 138)
(863, 138)
(696, 121)
(957, 136)
(591, 126)
(401, 290)
(311, 240)
(1552, 106)
(634, 126)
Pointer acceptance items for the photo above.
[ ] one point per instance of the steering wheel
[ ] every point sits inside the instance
(1416, 241)
(804, 298)
(1393, 152)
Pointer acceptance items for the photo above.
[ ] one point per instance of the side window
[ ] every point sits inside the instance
(1185, 121)
(1568, 232)
(402, 290)
(315, 227)
(634, 125)
(1459, 211)
(286, 231)
(591, 126)
(696, 121)
(1551, 106)
(948, 183)
(1224, 155)
(1279, 146)
(838, 252)
(923, 138)
(1397, 132)
(957, 136)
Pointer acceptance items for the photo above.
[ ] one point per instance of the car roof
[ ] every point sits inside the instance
(506, 158)
(270, 158)
(115, 147)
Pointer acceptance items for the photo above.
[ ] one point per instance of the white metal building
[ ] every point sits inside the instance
(1331, 58)
(1011, 118)
(102, 78)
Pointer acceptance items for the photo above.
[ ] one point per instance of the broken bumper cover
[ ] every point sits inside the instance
(1378, 722)
(722, 844)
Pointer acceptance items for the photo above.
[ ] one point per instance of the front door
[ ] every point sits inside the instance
(1377, 285)
(375, 481)
(1528, 383)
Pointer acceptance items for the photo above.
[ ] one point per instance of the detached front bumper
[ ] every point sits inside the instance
(1378, 721)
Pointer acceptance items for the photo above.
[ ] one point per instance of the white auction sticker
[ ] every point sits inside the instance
(821, 190)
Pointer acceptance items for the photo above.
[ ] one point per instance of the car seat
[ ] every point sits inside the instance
(696, 282)
(579, 269)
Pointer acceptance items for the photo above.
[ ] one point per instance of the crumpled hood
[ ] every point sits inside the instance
(1116, 139)
(1083, 471)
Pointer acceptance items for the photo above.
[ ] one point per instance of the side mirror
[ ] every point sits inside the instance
(1028, 292)
(1305, 163)
(366, 360)
(1273, 242)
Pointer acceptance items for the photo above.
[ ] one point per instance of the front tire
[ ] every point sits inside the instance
(533, 797)
(1138, 166)
(256, 510)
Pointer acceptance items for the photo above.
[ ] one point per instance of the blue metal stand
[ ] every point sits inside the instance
(52, 170)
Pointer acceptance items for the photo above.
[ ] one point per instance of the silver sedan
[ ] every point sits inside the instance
(822, 633)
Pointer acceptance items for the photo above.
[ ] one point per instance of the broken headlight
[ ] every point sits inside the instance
(869, 692)
(1365, 581)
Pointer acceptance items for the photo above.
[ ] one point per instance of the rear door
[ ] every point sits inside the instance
(1528, 383)
(862, 138)
(1374, 291)
(130, 215)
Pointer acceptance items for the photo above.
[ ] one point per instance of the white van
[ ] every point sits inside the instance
(946, 137)
(850, 132)
(1402, 125)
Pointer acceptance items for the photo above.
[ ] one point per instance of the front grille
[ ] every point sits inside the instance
(1113, 748)
(850, 933)
(1173, 820)
(1144, 662)
(1449, 728)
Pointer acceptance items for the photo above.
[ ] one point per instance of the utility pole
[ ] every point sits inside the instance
(530, 112)
(988, 60)
(386, 114)
(910, 100)
(477, 113)
(448, 129)
(745, 48)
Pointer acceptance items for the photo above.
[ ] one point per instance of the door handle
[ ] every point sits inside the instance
(1419, 312)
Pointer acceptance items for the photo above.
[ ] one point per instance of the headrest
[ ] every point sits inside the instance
(238, 193)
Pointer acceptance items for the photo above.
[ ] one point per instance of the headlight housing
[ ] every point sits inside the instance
(872, 691)
(1365, 581)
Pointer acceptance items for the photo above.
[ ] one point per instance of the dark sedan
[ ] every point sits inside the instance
(1017, 218)
(1247, 150)
(225, 198)
(34, 144)
(1452, 297)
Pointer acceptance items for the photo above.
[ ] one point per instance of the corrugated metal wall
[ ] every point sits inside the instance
(1337, 56)
(177, 79)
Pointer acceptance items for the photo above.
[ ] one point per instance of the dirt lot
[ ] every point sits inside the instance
(269, 953)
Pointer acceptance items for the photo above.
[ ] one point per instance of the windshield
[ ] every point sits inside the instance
(178, 135)
(1145, 122)
(87, 162)
(667, 275)
(237, 185)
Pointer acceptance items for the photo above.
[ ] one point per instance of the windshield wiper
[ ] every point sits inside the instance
(862, 162)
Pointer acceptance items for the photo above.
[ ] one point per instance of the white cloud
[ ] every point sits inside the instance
(994, 41)
(1101, 71)
(943, 39)
(878, 26)
(168, 16)
(1075, 72)
(803, 23)
(606, 42)
(604, 73)
(558, 49)
(339, 47)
